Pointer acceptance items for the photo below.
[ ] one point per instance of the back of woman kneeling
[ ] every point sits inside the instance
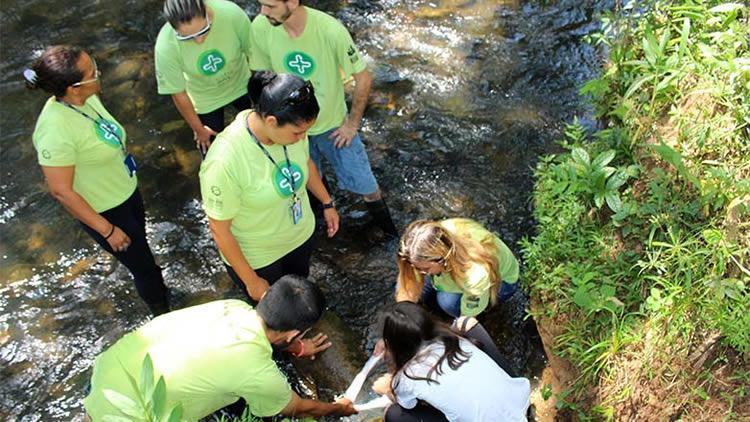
(431, 365)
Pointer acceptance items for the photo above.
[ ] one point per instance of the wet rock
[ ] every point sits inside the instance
(335, 368)
(127, 70)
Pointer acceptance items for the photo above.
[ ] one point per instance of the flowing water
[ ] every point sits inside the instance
(467, 95)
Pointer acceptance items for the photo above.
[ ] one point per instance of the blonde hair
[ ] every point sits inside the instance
(428, 240)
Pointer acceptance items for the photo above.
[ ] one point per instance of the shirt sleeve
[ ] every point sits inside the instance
(54, 149)
(347, 54)
(259, 58)
(169, 75)
(220, 193)
(508, 264)
(476, 291)
(267, 393)
(404, 392)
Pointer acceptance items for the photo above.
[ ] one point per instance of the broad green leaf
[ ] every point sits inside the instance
(124, 404)
(603, 158)
(607, 290)
(599, 199)
(176, 414)
(581, 156)
(726, 8)
(665, 36)
(147, 377)
(613, 201)
(582, 298)
(637, 84)
(159, 397)
(617, 180)
(712, 236)
(675, 159)
(111, 418)
(684, 37)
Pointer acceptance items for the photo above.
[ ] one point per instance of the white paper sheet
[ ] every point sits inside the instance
(356, 386)
(377, 403)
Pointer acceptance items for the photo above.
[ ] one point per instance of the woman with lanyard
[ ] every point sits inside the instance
(254, 184)
(455, 264)
(82, 151)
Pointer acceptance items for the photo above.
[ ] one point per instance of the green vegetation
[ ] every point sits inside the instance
(652, 289)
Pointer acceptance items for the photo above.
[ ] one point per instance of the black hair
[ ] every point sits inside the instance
(292, 303)
(183, 11)
(407, 327)
(287, 97)
(55, 70)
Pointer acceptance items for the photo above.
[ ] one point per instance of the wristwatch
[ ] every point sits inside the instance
(329, 205)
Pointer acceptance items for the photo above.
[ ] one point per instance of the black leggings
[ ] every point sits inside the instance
(130, 217)
(423, 412)
(215, 119)
(295, 262)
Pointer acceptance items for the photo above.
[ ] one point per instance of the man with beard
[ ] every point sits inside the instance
(291, 38)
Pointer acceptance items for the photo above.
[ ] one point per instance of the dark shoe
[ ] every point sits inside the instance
(381, 217)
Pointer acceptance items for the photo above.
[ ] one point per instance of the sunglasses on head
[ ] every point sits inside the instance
(300, 95)
(197, 34)
(97, 75)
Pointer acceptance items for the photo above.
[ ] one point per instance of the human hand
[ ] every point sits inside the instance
(203, 138)
(346, 407)
(257, 288)
(382, 385)
(331, 217)
(315, 345)
(379, 348)
(342, 137)
(118, 240)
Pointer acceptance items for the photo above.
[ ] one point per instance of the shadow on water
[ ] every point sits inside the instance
(467, 95)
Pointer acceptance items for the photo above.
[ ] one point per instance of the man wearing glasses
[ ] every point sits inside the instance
(288, 37)
(214, 354)
(201, 57)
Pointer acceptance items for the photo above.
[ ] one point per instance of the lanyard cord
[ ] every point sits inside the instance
(289, 176)
(104, 127)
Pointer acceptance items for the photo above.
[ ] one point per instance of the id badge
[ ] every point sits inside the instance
(296, 210)
(131, 165)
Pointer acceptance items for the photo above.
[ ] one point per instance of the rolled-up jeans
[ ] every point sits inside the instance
(450, 302)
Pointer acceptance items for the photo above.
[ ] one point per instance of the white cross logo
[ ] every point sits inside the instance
(213, 64)
(300, 64)
(285, 181)
(109, 130)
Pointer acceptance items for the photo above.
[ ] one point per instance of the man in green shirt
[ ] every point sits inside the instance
(288, 37)
(201, 59)
(214, 354)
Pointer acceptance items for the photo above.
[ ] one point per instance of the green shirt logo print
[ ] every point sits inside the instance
(299, 64)
(211, 62)
(108, 132)
(281, 179)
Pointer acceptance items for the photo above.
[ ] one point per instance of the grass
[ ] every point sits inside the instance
(642, 251)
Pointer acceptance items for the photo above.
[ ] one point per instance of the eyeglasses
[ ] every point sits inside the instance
(197, 34)
(97, 75)
(300, 95)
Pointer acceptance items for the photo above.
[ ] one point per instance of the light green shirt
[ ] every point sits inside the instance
(215, 72)
(322, 54)
(210, 355)
(62, 138)
(476, 288)
(239, 183)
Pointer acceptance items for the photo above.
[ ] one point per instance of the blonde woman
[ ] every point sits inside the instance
(457, 263)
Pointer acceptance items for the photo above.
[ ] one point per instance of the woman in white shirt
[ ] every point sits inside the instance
(435, 374)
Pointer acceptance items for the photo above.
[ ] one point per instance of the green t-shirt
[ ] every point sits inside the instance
(476, 289)
(321, 54)
(63, 137)
(239, 183)
(210, 355)
(215, 72)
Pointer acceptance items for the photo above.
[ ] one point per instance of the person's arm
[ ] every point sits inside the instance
(227, 244)
(343, 136)
(60, 184)
(298, 406)
(201, 132)
(316, 187)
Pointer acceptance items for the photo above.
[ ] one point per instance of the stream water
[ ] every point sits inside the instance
(467, 95)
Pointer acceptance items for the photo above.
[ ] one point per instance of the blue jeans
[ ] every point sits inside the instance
(351, 165)
(450, 303)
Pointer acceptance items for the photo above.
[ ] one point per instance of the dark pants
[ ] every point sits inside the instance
(215, 119)
(423, 412)
(130, 217)
(295, 262)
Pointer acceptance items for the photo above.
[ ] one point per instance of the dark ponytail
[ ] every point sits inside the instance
(407, 327)
(287, 97)
(55, 70)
